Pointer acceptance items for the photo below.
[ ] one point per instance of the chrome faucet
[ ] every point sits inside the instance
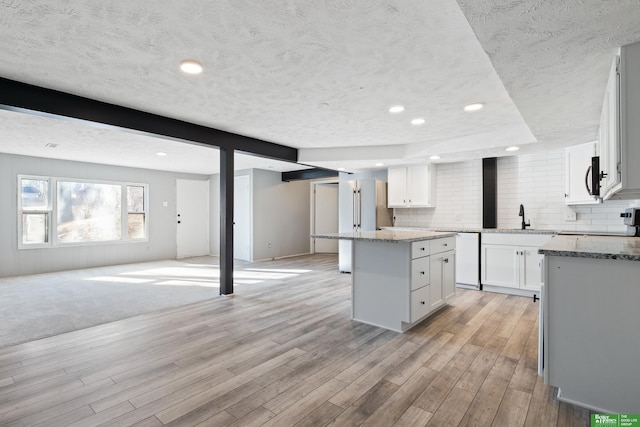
(524, 225)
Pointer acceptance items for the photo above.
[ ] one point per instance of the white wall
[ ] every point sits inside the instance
(162, 220)
(281, 215)
(536, 181)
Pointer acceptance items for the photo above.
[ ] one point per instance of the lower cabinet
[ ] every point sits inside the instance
(397, 285)
(442, 278)
(420, 306)
(511, 262)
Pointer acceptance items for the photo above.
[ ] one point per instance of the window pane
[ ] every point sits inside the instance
(34, 228)
(88, 212)
(35, 194)
(136, 226)
(135, 198)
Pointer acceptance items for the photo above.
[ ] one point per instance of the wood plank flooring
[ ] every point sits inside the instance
(283, 352)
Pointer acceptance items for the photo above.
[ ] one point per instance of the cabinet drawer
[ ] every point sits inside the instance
(419, 272)
(442, 245)
(420, 306)
(419, 249)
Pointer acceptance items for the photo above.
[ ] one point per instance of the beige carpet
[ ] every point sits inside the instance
(38, 306)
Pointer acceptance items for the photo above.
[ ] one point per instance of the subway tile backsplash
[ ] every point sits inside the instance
(535, 181)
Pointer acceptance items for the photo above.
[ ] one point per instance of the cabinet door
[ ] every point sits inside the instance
(436, 280)
(609, 135)
(531, 269)
(397, 187)
(449, 275)
(419, 185)
(578, 161)
(500, 265)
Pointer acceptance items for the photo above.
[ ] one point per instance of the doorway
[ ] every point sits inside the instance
(242, 218)
(192, 210)
(325, 216)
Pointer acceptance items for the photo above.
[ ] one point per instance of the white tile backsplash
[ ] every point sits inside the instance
(535, 181)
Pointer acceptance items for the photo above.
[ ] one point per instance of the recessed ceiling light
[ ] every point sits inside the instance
(434, 157)
(514, 148)
(417, 122)
(396, 109)
(161, 153)
(474, 107)
(191, 67)
(379, 164)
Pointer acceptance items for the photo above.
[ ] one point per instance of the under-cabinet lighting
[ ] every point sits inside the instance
(435, 157)
(396, 109)
(379, 164)
(161, 154)
(514, 148)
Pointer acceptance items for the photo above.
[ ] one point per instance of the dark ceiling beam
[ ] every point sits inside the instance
(303, 174)
(23, 97)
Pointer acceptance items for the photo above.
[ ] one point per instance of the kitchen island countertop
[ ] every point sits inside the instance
(394, 236)
(600, 247)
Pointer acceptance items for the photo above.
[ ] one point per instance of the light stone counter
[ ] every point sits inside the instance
(474, 230)
(600, 247)
(393, 236)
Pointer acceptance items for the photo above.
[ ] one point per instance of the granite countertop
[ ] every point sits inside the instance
(394, 236)
(601, 247)
(474, 230)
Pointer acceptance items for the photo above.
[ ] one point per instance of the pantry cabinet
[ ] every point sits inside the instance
(411, 187)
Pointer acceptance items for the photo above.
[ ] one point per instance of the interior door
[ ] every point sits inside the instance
(192, 210)
(346, 222)
(242, 218)
(326, 216)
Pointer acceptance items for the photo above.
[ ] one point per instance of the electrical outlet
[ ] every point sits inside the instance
(570, 215)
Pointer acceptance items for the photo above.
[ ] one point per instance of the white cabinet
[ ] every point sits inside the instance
(397, 285)
(412, 186)
(442, 278)
(578, 174)
(511, 263)
(620, 127)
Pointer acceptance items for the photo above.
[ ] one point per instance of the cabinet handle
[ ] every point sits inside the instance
(422, 302)
(422, 272)
(445, 244)
(446, 260)
(422, 249)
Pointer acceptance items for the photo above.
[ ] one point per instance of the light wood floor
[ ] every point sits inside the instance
(283, 352)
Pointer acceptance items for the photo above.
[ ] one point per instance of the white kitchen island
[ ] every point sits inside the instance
(400, 278)
(591, 321)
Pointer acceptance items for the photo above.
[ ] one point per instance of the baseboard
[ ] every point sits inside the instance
(282, 257)
(510, 291)
(583, 405)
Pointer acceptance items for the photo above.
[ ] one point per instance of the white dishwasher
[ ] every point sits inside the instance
(468, 260)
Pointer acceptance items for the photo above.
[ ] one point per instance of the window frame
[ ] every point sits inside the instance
(52, 216)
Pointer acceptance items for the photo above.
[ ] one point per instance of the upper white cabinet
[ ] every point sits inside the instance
(620, 127)
(578, 174)
(411, 187)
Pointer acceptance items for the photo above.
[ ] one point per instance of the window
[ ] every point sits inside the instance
(86, 212)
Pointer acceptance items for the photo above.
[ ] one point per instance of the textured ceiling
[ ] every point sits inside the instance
(319, 75)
